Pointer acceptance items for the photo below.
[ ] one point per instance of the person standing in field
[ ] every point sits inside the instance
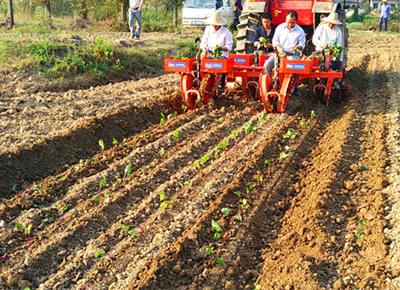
(384, 16)
(135, 15)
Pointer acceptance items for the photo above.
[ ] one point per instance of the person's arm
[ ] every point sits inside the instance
(228, 41)
(204, 42)
(339, 40)
(302, 40)
(317, 36)
(140, 5)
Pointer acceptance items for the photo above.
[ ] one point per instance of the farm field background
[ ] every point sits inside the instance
(104, 186)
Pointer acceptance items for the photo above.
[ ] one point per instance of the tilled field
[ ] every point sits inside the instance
(226, 198)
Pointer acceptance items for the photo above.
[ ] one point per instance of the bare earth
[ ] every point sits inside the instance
(138, 215)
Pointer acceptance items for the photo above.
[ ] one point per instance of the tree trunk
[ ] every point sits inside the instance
(83, 10)
(10, 14)
(48, 8)
(176, 15)
(124, 10)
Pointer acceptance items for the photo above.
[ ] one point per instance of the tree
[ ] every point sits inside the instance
(10, 14)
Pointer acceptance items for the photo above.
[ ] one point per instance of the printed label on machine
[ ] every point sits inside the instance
(211, 65)
(240, 60)
(177, 65)
(296, 66)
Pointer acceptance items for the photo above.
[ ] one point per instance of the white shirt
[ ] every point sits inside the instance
(325, 35)
(221, 37)
(288, 39)
(133, 4)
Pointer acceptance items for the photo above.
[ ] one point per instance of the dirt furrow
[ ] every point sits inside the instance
(107, 213)
(164, 227)
(85, 189)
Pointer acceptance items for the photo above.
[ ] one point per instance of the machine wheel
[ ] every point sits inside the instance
(247, 32)
(187, 84)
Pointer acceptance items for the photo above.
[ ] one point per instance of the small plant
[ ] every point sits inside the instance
(204, 159)
(183, 183)
(107, 194)
(102, 145)
(162, 151)
(248, 128)
(36, 188)
(28, 230)
(99, 253)
(216, 229)
(362, 167)
(238, 218)
(290, 134)
(219, 262)
(223, 144)
(234, 133)
(102, 183)
(19, 227)
(361, 222)
(237, 193)
(258, 287)
(63, 209)
(283, 155)
(128, 170)
(176, 134)
(162, 195)
(96, 199)
(243, 203)
(313, 114)
(250, 187)
(210, 250)
(163, 201)
(359, 233)
(130, 230)
(304, 123)
(163, 119)
(114, 141)
(259, 178)
(289, 148)
(263, 116)
(226, 211)
(267, 162)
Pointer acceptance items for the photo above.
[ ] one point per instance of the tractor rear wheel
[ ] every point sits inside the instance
(247, 32)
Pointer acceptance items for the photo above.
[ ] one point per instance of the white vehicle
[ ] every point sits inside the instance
(196, 12)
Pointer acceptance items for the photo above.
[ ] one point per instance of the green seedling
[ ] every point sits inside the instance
(162, 151)
(14, 188)
(361, 222)
(258, 287)
(99, 253)
(283, 156)
(128, 170)
(250, 187)
(36, 188)
(243, 203)
(63, 209)
(223, 144)
(166, 203)
(359, 233)
(290, 134)
(130, 230)
(102, 183)
(204, 159)
(216, 229)
(27, 288)
(234, 133)
(176, 134)
(238, 218)
(28, 230)
(259, 178)
(219, 262)
(163, 119)
(107, 194)
(114, 141)
(210, 250)
(162, 195)
(289, 148)
(267, 162)
(183, 183)
(237, 193)
(196, 164)
(362, 167)
(248, 128)
(226, 211)
(19, 227)
(313, 114)
(96, 199)
(263, 116)
(102, 145)
(304, 123)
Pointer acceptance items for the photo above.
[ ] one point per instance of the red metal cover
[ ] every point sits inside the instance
(295, 66)
(279, 9)
(262, 58)
(209, 65)
(179, 65)
(242, 59)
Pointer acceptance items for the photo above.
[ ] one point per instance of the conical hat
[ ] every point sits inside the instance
(332, 18)
(216, 18)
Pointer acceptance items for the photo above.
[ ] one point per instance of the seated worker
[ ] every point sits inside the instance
(327, 33)
(216, 35)
(265, 32)
(288, 39)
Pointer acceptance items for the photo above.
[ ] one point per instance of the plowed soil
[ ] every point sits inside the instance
(224, 197)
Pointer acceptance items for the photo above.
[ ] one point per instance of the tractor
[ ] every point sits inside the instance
(199, 80)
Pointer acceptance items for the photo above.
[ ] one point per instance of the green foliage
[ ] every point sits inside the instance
(130, 230)
(102, 145)
(128, 170)
(226, 211)
(99, 253)
(102, 183)
(290, 134)
(176, 134)
(219, 262)
(210, 250)
(248, 128)
(114, 141)
(187, 48)
(216, 229)
(359, 233)
(223, 144)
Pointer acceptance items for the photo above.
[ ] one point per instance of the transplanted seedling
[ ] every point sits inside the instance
(28, 230)
(114, 141)
(216, 229)
(361, 222)
(243, 203)
(176, 134)
(210, 250)
(36, 188)
(234, 133)
(267, 162)
(263, 116)
(96, 199)
(237, 193)
(223, 144)
(163, 119)
(313, 114)
(163, 201)
(238, 218)
(304, 123)
(362, 167)
(226, 211)
(204, 159)
(102, 145)
(130, 230)
(102, 183)
(283, 155)
(63, 209)
(162, 151)
(258, 287)
(99, 253)
(359, 233)
(219, 262)
(290, 134)
(289, 148)
(107, 194)
(248, 128)
(128, 170)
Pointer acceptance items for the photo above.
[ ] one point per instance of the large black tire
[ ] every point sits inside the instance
(247, 32)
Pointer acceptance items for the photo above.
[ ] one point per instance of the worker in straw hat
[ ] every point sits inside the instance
(327, 33)
(216, 35)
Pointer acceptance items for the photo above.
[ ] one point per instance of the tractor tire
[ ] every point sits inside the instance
(247, 32)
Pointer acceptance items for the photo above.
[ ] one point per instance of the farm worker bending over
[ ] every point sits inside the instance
(384, 16)
(265, 33)
(327, 33)
(216, 35)
(135, 15)
(289, 39)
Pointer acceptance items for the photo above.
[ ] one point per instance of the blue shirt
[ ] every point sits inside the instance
(385, 10)
(288, 39)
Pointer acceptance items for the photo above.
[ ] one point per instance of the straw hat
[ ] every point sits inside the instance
(332, 18)
(216, 18)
